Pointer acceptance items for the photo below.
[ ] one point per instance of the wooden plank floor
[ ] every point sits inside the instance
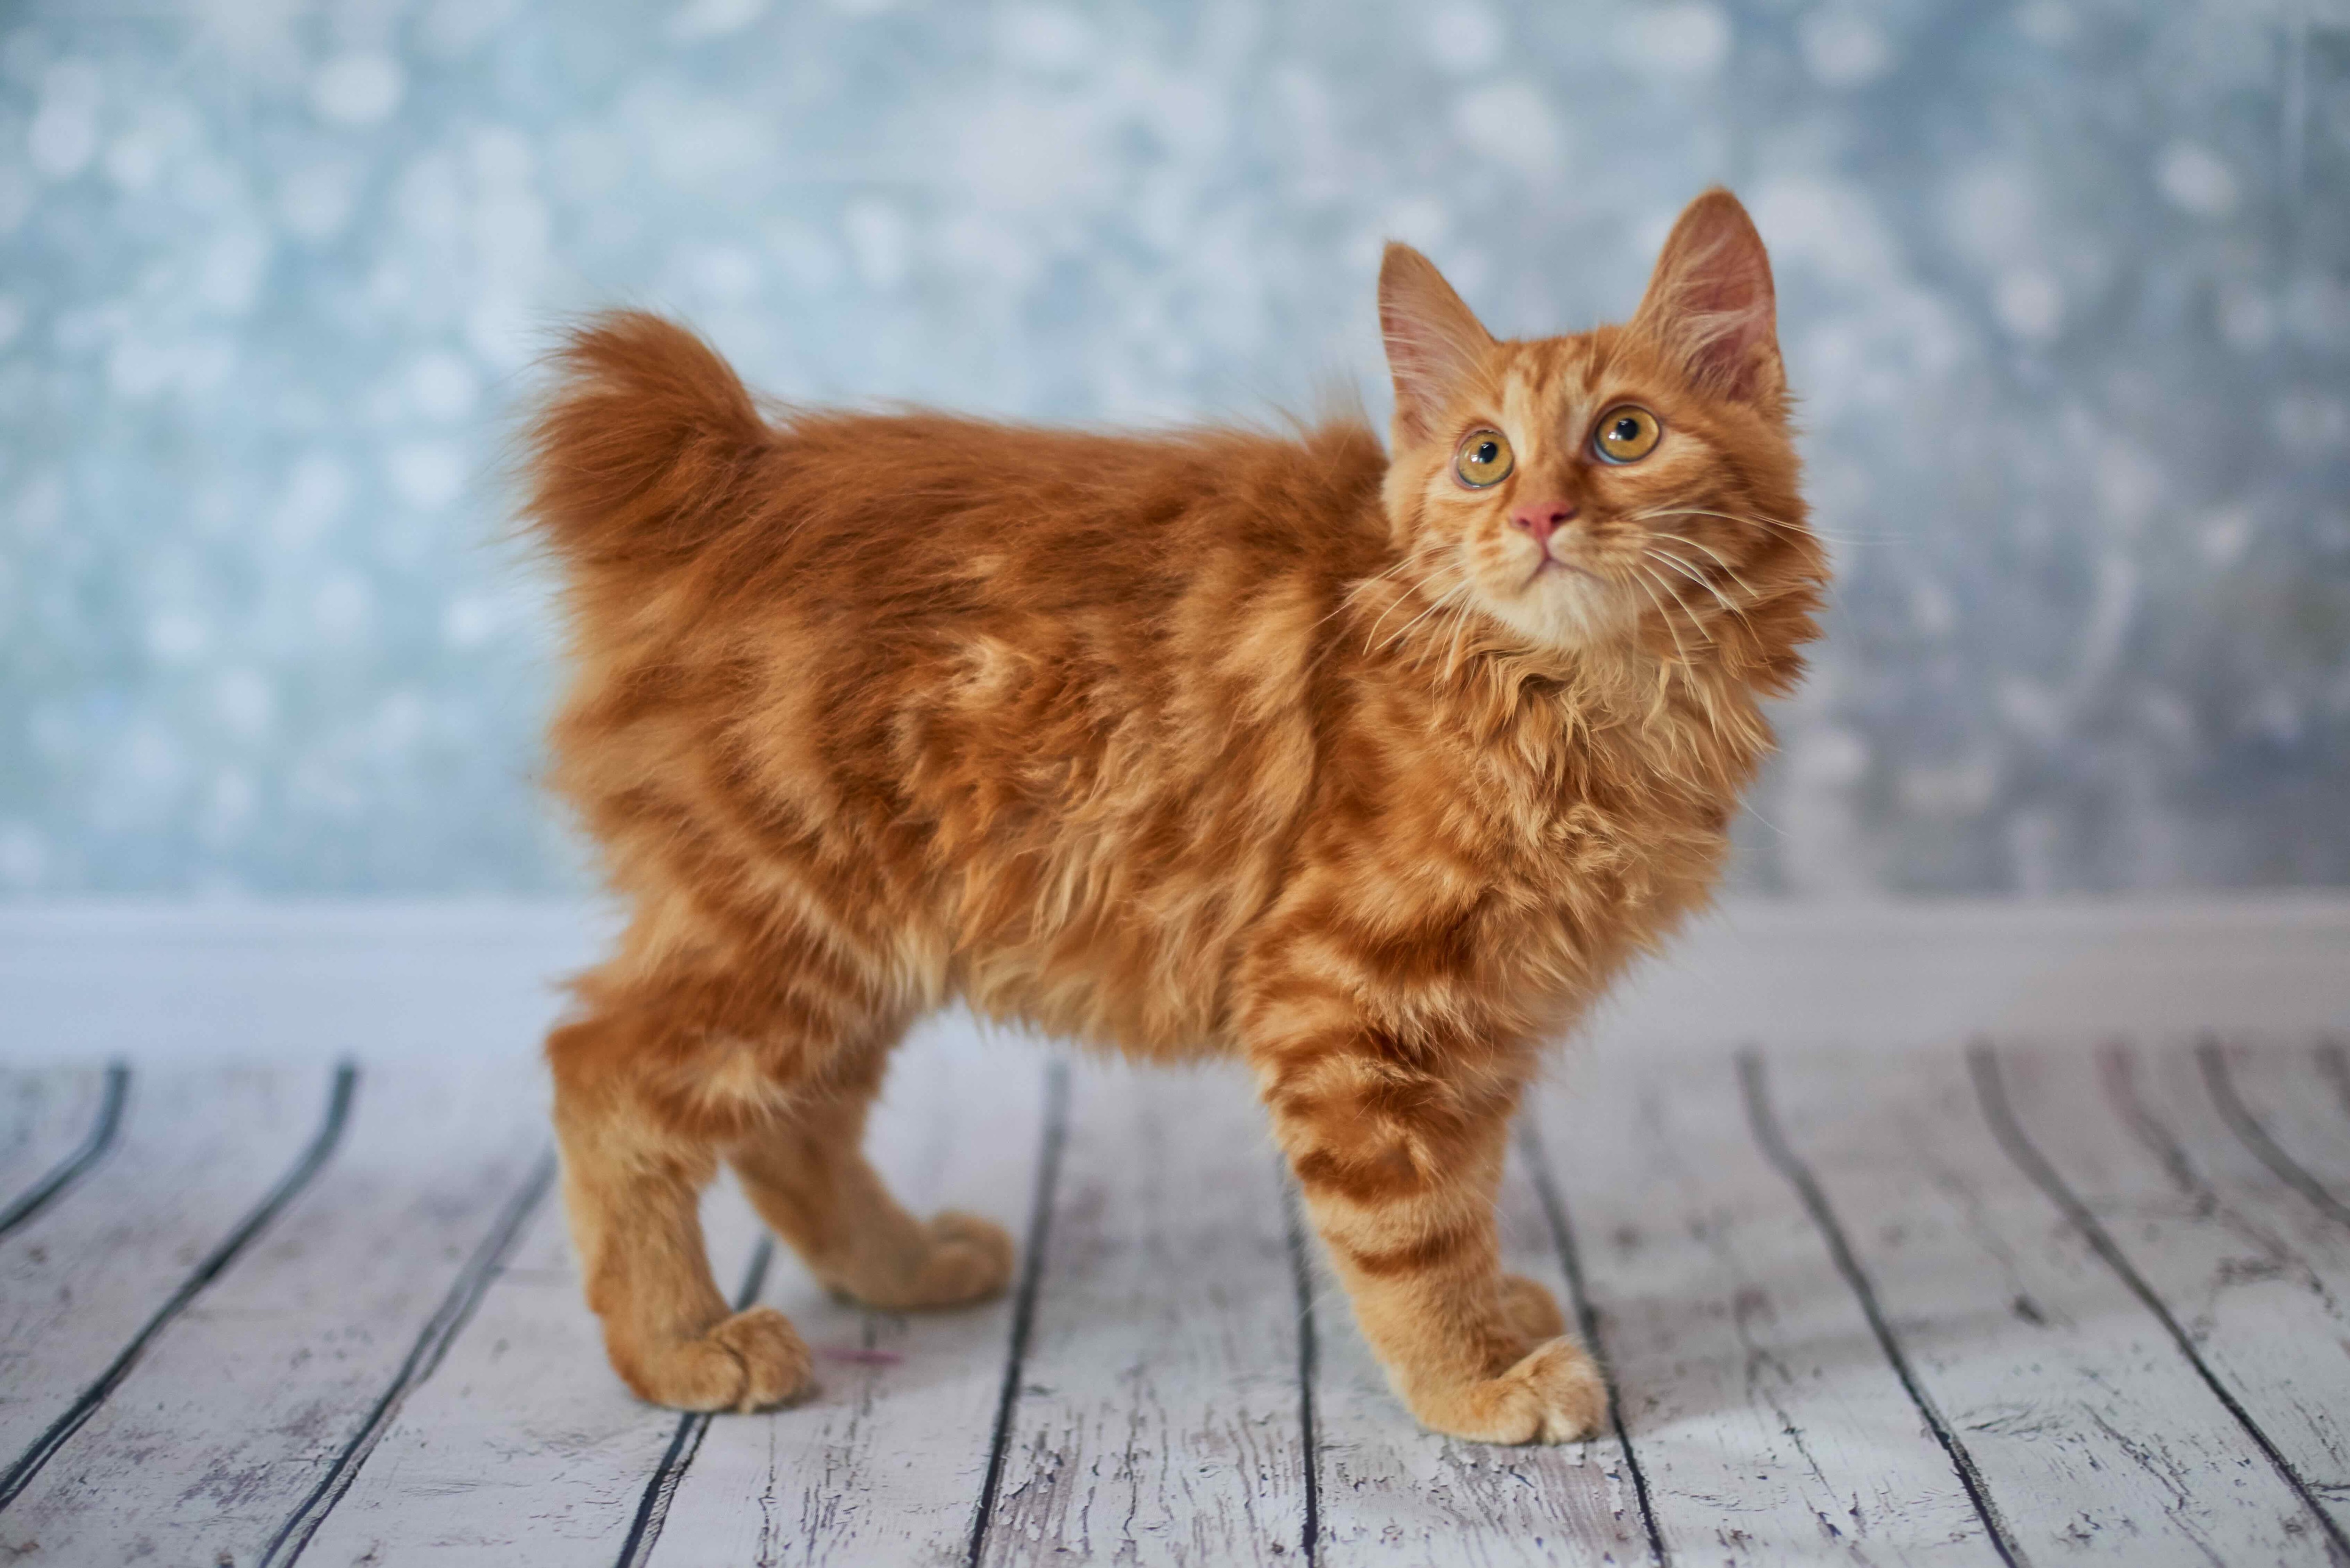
(1988, 1303)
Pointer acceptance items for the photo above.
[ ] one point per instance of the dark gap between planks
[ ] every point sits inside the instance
(1309, 1354)
(660, 1488)
(93, 1147)
(307, 1165)
(1783, 1158)
(1983, 1063)
(2254, 1136)
(1024, 1306)
(1586, 1321)
(441, 1330)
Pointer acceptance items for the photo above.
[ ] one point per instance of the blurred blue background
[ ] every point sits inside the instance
(2065, 285)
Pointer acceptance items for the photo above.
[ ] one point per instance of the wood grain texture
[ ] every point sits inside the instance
(1768, 1422)
(2259, 1281)
(884, 1463)
(237, 1407)
(2096, 1441)
(1157, 1419)
(1391, 1493)
(198, 1148)
(523, 1446)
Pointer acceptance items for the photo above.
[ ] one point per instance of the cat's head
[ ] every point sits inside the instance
(1635, 482)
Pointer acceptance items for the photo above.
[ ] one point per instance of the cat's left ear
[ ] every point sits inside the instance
(1711, 302)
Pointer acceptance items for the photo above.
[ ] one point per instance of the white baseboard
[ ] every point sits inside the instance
(393, 980)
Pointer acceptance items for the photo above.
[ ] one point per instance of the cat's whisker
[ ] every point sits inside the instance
(1752, 519)
(1758, 520)
(1464, 605)
(1434, 561)
(1459, 630)
(1379, 576)
(1366, 585)
(1699, 578)
(1727, 569)
(1374, 631)
(1356, 592)
(1640, 579)
(1441, 600)
(1712, 716)
(1698, 627)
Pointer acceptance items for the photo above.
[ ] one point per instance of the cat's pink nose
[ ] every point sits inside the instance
(1543, 520)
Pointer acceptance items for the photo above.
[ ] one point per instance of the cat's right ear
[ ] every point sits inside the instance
(1434, 341)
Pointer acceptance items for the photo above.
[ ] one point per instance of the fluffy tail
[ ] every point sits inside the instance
(642, 444)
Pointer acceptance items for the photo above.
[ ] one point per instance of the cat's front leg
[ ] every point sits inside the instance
(1398, 1154)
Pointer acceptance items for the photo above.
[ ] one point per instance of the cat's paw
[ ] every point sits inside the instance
(1553, 1396)
(963, 1259)
(970, 1260)
(750, 1360)
(1531, 1311)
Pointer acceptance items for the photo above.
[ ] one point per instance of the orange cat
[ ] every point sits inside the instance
(1371, 770)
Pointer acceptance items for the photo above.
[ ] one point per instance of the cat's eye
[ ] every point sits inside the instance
(1625, 434)
(1484, 459)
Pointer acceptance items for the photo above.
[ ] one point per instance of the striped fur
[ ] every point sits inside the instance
(1212, 742)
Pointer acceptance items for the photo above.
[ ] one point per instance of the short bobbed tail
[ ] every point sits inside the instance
(643, 440)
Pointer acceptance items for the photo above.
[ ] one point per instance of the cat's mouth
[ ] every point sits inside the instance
(1551, 565)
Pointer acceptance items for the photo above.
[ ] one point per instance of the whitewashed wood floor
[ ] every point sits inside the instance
(1908, 1300)
(1985, 1303)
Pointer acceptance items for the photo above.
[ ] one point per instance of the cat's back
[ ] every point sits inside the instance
(684, 513)
(920, 514)
(1038, 706)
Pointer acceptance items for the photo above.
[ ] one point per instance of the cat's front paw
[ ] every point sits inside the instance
(1531, 1311)
(1553, 1396)
(751, 1360)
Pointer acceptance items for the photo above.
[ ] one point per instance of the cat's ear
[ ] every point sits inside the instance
(1711, 302)
(1434, 341)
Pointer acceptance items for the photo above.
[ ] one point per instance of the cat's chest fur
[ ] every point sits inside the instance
(1540, 827)
(1528, 831)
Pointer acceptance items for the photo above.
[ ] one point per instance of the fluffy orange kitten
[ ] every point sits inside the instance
(1372, 769)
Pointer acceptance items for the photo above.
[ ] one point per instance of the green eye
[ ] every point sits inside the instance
(1484, 459)
(1625, 434)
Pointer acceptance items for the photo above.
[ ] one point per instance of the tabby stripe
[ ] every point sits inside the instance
(1430, 1252)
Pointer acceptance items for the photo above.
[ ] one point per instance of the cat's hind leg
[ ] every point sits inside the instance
(805, 1173)
(633, 1170)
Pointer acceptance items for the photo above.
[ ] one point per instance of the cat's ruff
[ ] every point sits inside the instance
(1210, 741)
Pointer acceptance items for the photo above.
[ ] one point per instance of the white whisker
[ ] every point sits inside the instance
(1641, 579)
(1752, 519)
(1359, 590)
(1442, 599)
(1693, 575)
(1727, 569)
(1459, 630)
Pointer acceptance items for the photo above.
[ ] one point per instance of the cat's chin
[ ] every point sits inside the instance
(1568, 611)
